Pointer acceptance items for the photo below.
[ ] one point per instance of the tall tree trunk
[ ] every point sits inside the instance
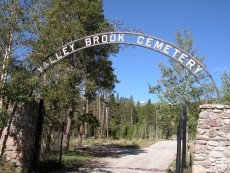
(79, 142)
(107, 121)
(8, 49)
(48, 138)
(67, 131)
(86, 112)
(103, 116)
(6, 57)
(82, 123)
(131, 116)
(95, 115)
(99, 113)
(83, 130)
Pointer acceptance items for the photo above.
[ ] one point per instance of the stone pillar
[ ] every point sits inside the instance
(212, 144)
(19, 143)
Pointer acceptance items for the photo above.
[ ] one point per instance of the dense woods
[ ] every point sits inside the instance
(79, 90)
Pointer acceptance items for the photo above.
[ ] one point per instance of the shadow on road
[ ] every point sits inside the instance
(104, 169)
(113, 151)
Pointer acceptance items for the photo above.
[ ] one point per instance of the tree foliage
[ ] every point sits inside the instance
(75, 83)
(16, 43)
(176, 85)
(225, 90)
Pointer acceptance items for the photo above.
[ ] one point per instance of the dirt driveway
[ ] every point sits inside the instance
(155, 158)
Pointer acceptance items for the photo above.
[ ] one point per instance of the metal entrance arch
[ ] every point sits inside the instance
(140, 39)
(186, 60)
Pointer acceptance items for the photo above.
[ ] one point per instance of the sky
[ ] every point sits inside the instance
(207, 20)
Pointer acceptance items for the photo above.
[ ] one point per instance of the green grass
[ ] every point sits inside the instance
(119, 142)
(70, 158)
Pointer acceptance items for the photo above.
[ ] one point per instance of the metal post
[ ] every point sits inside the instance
(37, 143)
(178, 157)
(184, 137)
(156, 123)
(60, 155)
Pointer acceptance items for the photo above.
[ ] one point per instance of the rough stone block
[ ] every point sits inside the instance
(203, 121)
(225, 128)
(227, 121)
(228, 137)
(213, 116)
(216, 154)
(218, 106)
(224, 115)
(226, 143)
(202, 137)
(212, 143)
(222, 134)
(209, 147)
(200, 149)
(203, 115)
(212, 159)
(219, 149)
(212, 133)
(218, 138)
(201, 131)
(199, 158)
(220, 122)
(213, 123)
(206, 163)
(204, 126)
(213, 169)
(198, 169)
(227, 111)
(221, 168)
(226, 153)
(202, 142)
(217, 110)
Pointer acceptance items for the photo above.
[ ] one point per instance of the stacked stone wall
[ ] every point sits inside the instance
(19, 139)
(212, 144)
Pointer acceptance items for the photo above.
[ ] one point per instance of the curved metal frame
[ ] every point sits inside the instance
(69, 48)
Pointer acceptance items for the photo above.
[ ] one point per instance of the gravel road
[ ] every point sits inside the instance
(155, 158)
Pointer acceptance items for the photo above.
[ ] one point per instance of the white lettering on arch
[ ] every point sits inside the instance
(140, 40)
(112, 38)
(166, 49)
(96, 40)
(87, 41)
(158, 45)
(134, 39)
(191, 63)
(120, 38)
(148, 41)
(104, 38)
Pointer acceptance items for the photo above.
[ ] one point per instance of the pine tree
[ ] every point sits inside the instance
(177, 86)
(16, 42)
(225, 78)
(75, 80)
